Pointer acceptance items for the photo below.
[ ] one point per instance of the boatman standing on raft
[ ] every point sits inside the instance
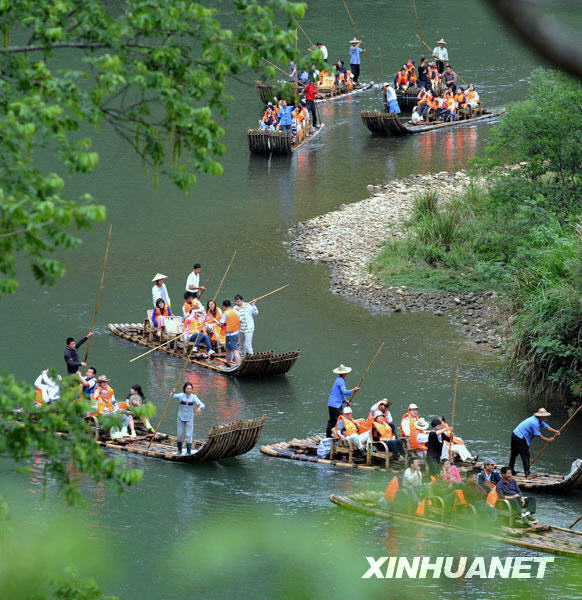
(338, 396)
(524, 433)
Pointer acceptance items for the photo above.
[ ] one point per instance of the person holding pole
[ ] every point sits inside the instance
(72, 356)
(246, 313)
(193, 281)
(441, 55)
(523, 435)
(337, 396)
(185, 420)
(231, 323)
(355, 52)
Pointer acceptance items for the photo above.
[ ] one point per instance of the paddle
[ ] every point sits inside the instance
(559, 431)
(366, 372)
(453, 416)
(99, 294)
(359, 37)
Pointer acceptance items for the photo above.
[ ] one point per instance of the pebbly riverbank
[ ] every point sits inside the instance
(348, 239)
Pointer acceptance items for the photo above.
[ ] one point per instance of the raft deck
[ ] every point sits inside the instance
(261, 364)
(542, 536)
(224, 441)
(390, 124)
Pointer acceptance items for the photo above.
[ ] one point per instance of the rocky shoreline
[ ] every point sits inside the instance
(348, 239)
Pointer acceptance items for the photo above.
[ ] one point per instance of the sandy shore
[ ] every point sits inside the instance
(348, 239)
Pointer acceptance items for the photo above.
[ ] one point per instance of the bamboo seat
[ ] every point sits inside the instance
(464, 515)
(435, 508)
(341, 447)
(505, 511)
(379, 451)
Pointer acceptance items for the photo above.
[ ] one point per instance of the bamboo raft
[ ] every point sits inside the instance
(265, 91)
(542, 537)
(390, 124)
(265, 141)
(224, 441)
(305, 450)
(261, 364)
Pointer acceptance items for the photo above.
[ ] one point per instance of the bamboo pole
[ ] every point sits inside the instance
(296, 67)
(367, 370)
(273, 292)
(206, 286)
(99, 294)
(358, 36)
(308, 38)
(180, 334)
(559, 431)
(418, 25)
(381, 66)
(574, 523)
(430, 50)
(453, 416)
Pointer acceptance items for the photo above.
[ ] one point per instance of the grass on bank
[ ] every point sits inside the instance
(520, 235)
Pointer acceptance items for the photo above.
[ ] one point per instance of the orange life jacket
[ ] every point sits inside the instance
(218, 332)
(433, 74)
(366, 425)
(451, 104)
(232, 324)
(384, 430)
(301, 114)
(414, 443)
(402, 78)
(104, 406)
(492, 497)
(460, 98)
(349, 424)
(423, 99)
(459, 497)
(420, 509)
(412, 73)
(97, 392)
(412, 421)
(391, 490)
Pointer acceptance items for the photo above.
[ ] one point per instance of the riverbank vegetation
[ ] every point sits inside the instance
(517, 231)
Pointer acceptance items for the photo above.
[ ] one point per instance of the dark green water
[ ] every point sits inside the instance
(250, 208)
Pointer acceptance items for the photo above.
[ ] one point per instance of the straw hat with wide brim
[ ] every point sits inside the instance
(159, 276)
(412, 406)
(542, 412)
(342, 370)
(102, 378)
(441, 41)
(421, 424)
(354, 41)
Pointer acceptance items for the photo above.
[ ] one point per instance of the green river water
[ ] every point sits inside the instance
(250, 208)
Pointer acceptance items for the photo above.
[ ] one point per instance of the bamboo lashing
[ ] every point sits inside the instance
(367, 371)
(430, 50)
(308, 38)
(359, 38)
(180, 334)
(418, 25)
(453, 416)
(559, 431)
(99, 294)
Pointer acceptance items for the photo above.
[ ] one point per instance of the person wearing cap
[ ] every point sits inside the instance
(102, 382)
(322, 49)
(382, 432)
(391, 100)
(408, 420)
(337, 396)
(441, 55)
(72, 356)
(347, 428)
(523, 435)
(193, 281)
(488, 477)
(355, 52)
(159, 290)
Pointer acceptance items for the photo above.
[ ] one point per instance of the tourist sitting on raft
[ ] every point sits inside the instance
(136, 398)
(269, 119)
(88, 382)
(382, 405)
(194, 328)
(161, 311)
(351, 430)
(391, 99)
(213, 328)
(185, 420)
(508, 489)
(382, 432)
(107, 405)
(450, 473)
(47, 388)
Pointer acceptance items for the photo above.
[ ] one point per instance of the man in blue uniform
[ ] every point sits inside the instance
(524, 433)
(355, 52)
(338, 396)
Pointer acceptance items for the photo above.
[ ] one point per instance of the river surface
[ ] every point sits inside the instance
(250, 208)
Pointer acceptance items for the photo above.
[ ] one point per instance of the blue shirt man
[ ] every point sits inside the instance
(355, 52)
(524, 433)
(337, 396)
(284, 118)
